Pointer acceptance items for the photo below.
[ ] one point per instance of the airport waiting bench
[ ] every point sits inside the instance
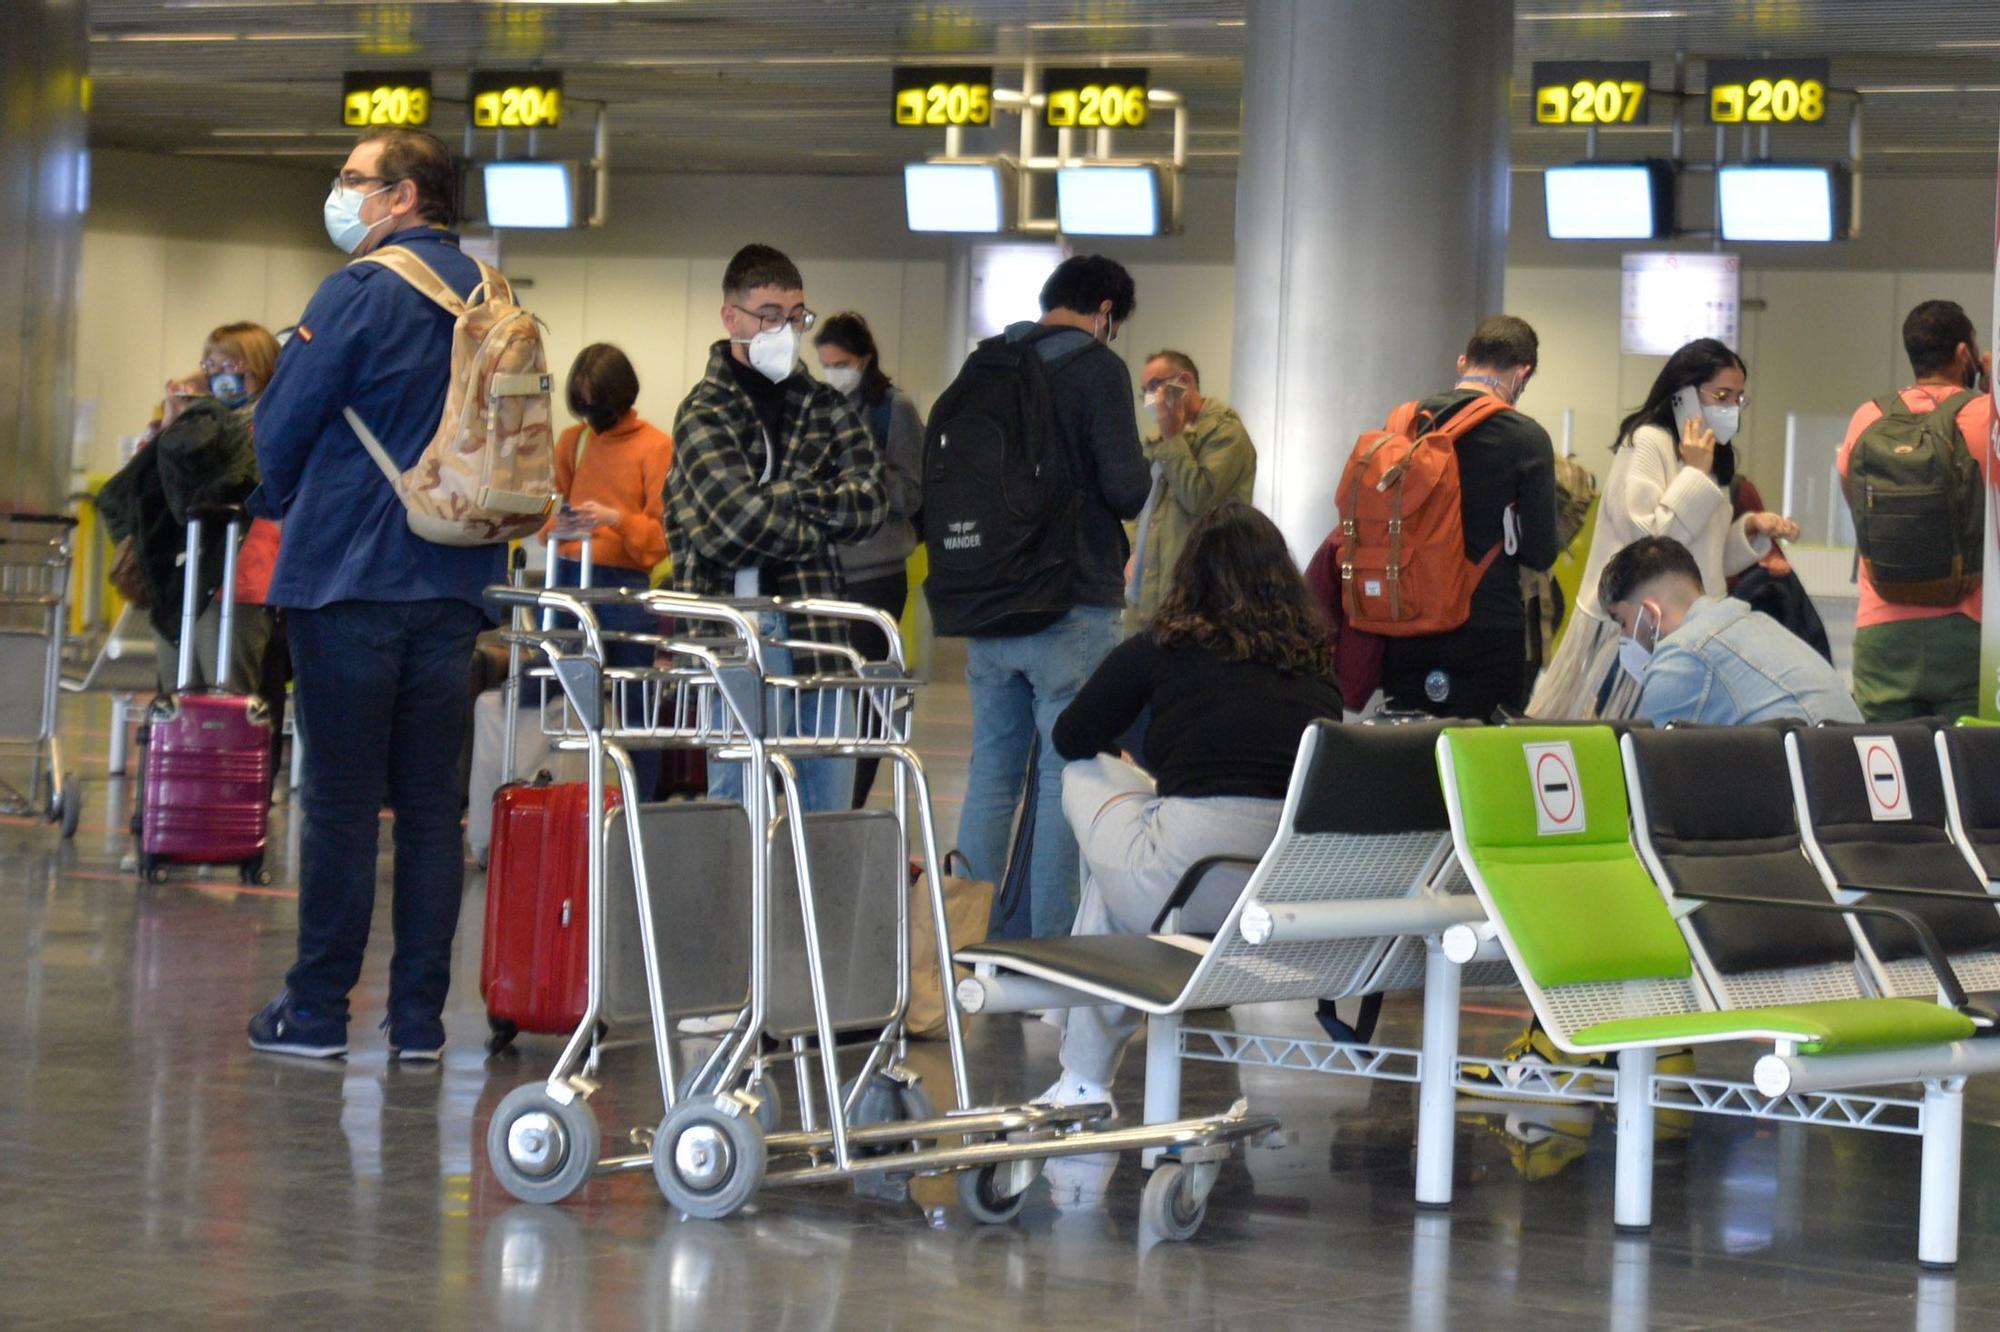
(1352, 896)
(1540, 818)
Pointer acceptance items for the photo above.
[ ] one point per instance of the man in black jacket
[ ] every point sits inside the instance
(1020, 683)
(1507, 493)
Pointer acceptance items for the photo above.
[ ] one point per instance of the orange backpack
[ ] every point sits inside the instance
(489, 473)
(1404, 571)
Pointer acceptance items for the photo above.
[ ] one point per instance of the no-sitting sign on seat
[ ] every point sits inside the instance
(1882, 777)
(1558, 793)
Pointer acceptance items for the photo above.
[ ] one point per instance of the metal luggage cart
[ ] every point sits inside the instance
(815, 950)
(35, 556)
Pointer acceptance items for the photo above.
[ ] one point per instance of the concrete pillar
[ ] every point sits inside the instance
(1371, 224)
(41, 233)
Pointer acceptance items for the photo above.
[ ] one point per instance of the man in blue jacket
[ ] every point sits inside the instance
(382, 621)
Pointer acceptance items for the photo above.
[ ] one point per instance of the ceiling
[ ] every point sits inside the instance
(802, 85)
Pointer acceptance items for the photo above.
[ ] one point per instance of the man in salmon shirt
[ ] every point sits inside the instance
(1923, 661)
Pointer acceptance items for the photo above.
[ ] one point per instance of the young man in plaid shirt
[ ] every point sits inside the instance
(772, 470)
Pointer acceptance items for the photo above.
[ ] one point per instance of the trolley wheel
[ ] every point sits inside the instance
(253, 871)
(541, 1150)
(1168, 1207)
(502, 1034)
(71, 801)
(888, 1100)
(979, 1195)
(708, 1156)
(770, 1106)
(153, 869)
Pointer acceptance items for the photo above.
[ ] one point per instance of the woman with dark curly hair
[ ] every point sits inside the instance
(1233, 668)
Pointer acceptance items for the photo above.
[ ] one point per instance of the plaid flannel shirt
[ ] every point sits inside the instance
(727, 512)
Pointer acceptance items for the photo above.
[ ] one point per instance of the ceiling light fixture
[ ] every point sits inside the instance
(163, 37)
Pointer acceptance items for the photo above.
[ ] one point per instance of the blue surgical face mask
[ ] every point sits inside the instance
(344, 226)
(229, 388)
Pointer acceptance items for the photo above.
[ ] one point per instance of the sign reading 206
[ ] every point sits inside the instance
(1095, 98)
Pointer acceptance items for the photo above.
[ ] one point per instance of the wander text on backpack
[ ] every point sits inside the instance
(1919, 504)
(1000, 496)
(1404, 571)
(488, 474)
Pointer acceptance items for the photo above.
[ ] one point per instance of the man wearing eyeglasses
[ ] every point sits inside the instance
(772, 470)
(381, 621)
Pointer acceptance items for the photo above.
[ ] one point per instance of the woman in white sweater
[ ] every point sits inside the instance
(1670, 475)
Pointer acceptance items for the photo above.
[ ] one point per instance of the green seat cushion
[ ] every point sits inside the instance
(1839, 1026)
(1578, 905)
(1585, 920)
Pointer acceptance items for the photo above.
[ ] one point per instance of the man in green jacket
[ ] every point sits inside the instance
(1201, 457)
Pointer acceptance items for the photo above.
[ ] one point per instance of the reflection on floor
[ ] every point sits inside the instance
(157, 1173)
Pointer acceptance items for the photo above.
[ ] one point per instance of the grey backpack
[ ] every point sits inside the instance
(1919, 504)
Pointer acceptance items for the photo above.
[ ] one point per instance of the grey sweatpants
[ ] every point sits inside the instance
(1135, 847)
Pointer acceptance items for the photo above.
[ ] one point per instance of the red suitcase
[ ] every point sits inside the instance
(535, 971)
(207, 758)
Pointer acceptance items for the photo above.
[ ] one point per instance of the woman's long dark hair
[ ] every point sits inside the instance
(1237, 592)
(850, 332)
(1690, 367)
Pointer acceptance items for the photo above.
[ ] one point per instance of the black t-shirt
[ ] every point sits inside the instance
(768, 399)
(1505, 460)
(1219, 727)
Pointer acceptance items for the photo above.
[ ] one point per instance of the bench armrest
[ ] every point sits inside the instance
(1907, 890)
(1191, 880)
(1948, 982)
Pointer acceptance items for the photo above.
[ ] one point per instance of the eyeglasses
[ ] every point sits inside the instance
(354, 180)
(211, 365)
(1155, 385)
(1725, 397)
(801, 319)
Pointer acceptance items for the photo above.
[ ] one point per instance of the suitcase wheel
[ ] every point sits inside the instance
(253, 871)
(503, 1034)
(151, 870)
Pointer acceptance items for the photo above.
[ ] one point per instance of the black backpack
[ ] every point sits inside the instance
(1919, 504)
(1000, 495)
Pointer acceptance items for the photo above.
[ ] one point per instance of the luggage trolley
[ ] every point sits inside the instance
(817, 946)
(35, 555)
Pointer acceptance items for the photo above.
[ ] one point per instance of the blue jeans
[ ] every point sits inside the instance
(380, 689)
(1019, 686)
(628, 620)
(824, 784)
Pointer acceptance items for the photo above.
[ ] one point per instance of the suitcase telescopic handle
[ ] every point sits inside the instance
(232, 518)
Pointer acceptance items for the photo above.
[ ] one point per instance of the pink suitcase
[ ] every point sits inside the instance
(207, 764)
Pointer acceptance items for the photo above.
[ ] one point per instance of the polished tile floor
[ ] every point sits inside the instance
(158, 1174)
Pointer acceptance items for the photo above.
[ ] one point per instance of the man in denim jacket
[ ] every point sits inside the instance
(1707, 659)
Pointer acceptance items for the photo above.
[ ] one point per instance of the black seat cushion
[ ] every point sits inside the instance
(1372, 779)
(1975, 765)
(1968, 926)
(1148, 970)
(1719, 812)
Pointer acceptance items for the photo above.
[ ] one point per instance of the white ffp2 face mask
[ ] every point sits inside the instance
(773, 352)
(845, 379)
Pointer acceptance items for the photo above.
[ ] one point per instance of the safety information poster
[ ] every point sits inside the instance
(1669, 299)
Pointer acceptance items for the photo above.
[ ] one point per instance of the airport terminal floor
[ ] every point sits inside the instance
(160, 1174)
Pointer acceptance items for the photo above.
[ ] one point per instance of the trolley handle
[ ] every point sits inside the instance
(892, 632)
(564, 601)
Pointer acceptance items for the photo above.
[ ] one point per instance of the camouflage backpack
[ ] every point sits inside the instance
(488, 474)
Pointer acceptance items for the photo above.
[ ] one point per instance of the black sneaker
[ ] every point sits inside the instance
(415, 1040)
(284, 1028)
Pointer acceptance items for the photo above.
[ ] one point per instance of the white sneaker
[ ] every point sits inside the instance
(1077, 1182)
(1072, 1090)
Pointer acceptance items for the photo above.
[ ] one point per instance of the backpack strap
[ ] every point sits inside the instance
(1473, 415)
(1947, 411)
(398, 259)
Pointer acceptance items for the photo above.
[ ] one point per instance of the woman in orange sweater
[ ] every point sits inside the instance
(612, 470)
